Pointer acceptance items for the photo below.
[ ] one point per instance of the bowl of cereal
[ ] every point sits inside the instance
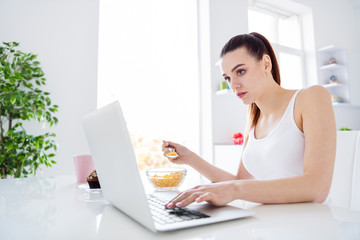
(166, 179)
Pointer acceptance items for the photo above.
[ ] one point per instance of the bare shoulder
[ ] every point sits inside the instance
(314, 96)
(314, 93)
(313, 107)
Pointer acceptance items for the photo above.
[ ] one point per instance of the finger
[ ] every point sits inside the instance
(172, 145)
(164, 144)
(183, 195)
(167, 148)
(188, 200)
(204, 197)
(172, 203)
(167, 204)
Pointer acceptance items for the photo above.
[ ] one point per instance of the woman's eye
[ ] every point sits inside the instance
(227, 79)
(240, 71)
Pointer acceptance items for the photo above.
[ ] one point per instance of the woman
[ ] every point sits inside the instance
(290, 142)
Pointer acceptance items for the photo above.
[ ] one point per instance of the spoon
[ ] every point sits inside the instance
(172, 153)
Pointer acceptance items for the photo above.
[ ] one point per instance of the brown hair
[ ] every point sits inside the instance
(256, 45)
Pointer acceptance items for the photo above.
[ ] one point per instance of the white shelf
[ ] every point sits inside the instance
(330, 49)
(333, 66)
(227, 156)
(338, 69)
(223, 91)
(347, 105)
(333, 85)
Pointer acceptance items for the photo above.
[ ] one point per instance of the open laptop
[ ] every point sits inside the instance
(121, 183)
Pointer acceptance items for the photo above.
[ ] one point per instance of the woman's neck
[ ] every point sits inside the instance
(272, 98)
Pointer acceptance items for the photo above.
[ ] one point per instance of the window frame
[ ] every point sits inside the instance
(278, 48)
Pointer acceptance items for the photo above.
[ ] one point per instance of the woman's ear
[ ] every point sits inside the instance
(267, 63)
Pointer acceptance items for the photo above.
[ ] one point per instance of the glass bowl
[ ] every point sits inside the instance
(166, 179)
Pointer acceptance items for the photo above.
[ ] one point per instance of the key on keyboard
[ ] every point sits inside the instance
(163, 215)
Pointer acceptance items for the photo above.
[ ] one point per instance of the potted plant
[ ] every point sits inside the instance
(21, 99)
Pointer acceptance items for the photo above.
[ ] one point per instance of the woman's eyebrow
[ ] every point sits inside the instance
(233, 69)
(241, 64)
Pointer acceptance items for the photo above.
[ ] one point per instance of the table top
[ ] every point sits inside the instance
(57, 208)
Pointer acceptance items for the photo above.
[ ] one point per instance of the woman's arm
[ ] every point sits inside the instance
(211, 172)
(319, 127)
(317, 121)
(214, 174)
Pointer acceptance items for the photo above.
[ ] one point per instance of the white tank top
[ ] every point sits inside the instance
(281, 153)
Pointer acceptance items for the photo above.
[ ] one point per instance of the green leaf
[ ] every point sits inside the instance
(48, 101)
(9, 146)
(13, 100)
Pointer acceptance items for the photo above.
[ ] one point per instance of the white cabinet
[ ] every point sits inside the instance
(333, 73)
(227, 157)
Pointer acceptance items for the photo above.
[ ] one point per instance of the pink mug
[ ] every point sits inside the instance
(84, 165)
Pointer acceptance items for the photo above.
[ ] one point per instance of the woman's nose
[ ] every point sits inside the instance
(233, 84)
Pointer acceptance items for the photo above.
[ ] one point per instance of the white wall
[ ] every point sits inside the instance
(64, 34)
(227, 19)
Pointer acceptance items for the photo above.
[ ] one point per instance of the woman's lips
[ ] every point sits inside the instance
(241, 94)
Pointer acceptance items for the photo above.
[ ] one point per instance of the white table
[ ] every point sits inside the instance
(55, 208)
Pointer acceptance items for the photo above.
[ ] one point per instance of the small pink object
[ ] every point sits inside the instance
(84, 165)
(238, 138)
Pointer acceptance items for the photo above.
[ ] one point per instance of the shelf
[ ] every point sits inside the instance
(333, 66)
(333, 85)
(338, 69)
(330, 49)
(223, 91)
(347, 105)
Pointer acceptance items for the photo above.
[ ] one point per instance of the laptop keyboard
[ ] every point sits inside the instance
(164, 215)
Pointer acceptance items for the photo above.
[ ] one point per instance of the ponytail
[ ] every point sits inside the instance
(275, 71)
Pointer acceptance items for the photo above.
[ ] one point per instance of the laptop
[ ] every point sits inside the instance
(121, 183)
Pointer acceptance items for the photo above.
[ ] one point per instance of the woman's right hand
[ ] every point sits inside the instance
(185, 155)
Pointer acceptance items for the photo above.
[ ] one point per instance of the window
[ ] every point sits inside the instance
(148, 60)
(283, 30)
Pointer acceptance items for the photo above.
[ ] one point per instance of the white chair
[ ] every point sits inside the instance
(355, 193)
(345, 188)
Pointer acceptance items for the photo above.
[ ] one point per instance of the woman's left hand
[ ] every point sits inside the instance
(217, 194)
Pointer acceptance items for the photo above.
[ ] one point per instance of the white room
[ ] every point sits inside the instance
(160, 60)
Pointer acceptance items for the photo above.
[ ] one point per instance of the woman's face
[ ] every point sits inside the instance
(245, 75)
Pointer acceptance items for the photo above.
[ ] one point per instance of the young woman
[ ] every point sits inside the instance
(290, 142)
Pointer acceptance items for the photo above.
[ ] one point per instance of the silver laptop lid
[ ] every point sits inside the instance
(115, 162)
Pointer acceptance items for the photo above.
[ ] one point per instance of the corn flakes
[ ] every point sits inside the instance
(168, 180)
(172, 154)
